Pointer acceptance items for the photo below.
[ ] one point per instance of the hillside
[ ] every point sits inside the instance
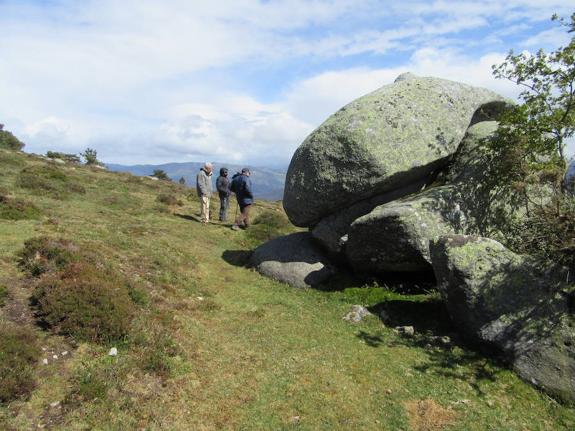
(268, 183)
(204, 343)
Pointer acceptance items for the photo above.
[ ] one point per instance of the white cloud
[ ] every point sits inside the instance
(145, 81)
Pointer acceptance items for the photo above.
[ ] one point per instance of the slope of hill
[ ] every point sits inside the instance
(202, 342)
(268, 183)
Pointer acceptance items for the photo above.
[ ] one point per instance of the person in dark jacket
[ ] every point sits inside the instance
(223, 186)
(242, 187)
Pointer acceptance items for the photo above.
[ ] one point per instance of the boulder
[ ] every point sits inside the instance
(332, 231)
(396, 236)
(508, 306)
(386, 140)
(294, 259)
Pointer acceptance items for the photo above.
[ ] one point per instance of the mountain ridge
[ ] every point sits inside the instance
(268, 182)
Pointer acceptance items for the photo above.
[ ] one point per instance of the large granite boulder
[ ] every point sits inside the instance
(507, 305)
(386, 140)
(294, 259)
(396, 236)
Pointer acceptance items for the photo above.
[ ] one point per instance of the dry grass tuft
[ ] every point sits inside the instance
(427, 415)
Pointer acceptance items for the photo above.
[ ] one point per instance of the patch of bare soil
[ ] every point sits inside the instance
(427, 415)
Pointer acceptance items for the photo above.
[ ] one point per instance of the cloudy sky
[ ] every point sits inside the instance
(150, 81)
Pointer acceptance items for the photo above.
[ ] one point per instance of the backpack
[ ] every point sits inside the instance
(234, 183)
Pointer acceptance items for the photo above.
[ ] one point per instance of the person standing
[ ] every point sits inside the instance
(223, 186)
(204, 189)
(242, 187)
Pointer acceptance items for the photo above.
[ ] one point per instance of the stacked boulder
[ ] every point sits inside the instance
(393, 182)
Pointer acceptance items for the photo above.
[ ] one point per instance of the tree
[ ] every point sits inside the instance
(9, 141)
(529, 149)
(161, 175)
(91, 157)
(182, 181)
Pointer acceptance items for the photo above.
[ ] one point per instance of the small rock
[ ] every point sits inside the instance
(113, 352)
(54, 357)
(357, 313)
(490, 403)
(295, 419)
(55, 404)
(44, 349)
(64, 353)
(45, 361)
(406, 330)
(200, 298)
(388, 391)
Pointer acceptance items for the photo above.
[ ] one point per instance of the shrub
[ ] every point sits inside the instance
(84, 302)
(70, 158)
(18, 354)
(3, 295)
(8, 141)
(169, 199)
(16, 209)
(44, 254)
(269, 225)
(48, 180)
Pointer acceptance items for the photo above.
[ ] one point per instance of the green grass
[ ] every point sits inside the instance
(214, 345)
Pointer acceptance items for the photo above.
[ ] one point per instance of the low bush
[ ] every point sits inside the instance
(18, 354)
(3, 295)
(169, 199)
(84, 302)
(48, 180)
(17, 209)
(269, 225)
(44, 254)
(8, 141)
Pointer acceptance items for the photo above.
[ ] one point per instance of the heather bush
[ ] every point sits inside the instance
(8, 141)
(17, 209)
(45, 254)
(18, 354)
(168, 199)
(84, 302)
(269, 225)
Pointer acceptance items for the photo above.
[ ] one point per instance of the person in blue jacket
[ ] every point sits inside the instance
(242, 187)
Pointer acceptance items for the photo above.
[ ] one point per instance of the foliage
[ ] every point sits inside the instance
(70, 158)
(44, 254)
(3, 295)
(48, 180)
(18, 353)
(17, 209)
(268, 225)
(8, 141)
(85, 302)
(91, 157)
(528, 149)
(161, 175)
(168, 199)
(182, 181)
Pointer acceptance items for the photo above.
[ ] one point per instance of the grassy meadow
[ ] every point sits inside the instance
(205, 343)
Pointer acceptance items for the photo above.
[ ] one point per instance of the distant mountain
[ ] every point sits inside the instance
(268, 182)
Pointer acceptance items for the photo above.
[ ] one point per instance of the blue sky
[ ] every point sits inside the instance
(244, 81)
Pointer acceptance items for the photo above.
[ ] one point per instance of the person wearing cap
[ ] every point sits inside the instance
(223, 186)
(242, 187)
(204, 189)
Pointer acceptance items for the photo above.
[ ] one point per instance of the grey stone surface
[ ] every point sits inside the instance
(396, 236)
(383, 141)
(294, 259)
(503, 302)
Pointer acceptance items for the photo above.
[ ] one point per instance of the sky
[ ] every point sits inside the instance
(242, 81)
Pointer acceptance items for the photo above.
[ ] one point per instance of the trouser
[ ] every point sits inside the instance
(205, 214)
(224, 205)
(244, 216)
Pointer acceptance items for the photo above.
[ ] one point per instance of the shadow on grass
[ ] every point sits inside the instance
(448, 356)
(237, 257)
(188, 217)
